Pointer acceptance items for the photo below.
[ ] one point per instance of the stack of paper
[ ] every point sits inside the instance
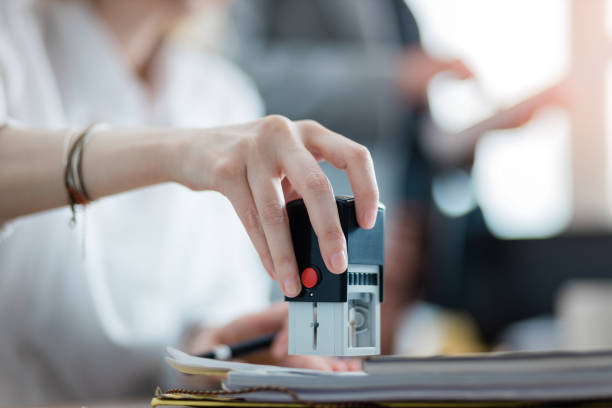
(550, 376)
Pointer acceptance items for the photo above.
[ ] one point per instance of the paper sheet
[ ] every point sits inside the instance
(189, 364)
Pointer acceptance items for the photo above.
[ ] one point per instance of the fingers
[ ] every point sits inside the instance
(288, 191)
(270, 205)
(311, 362)
(352, 157)
(241, 198)
(311, 183)
(459, 68)
(280, 149)
(353, 364)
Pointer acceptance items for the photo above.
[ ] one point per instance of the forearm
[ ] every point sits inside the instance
(248, 163)
(458, 149)
(115, 160)
(124, 159)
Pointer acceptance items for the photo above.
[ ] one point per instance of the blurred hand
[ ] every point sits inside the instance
(263, 164)
(271, 320)
(415, 68)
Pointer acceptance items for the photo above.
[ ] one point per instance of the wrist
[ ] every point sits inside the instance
(193, 155)
(172, 153)
(139, 157)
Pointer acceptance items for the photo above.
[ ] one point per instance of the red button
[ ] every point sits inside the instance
(310, 277)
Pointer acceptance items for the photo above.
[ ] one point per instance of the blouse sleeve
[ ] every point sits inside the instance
(6, 54)
(8, 227)
(5, 228)
(3, 96)
(16, 28)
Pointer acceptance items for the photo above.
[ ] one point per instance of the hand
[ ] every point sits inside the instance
(261, 165)
(271, 320)
(415, 68)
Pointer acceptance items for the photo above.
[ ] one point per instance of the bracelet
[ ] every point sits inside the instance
(73, 172)
(67, 140)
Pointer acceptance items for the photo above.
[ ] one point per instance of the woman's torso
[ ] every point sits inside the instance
(94, 325)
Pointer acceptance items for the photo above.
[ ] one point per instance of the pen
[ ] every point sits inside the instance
(225, 352)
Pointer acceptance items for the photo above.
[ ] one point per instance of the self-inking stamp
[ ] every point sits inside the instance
(337, 314)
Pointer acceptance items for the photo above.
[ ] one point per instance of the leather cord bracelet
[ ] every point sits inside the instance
(73, 173)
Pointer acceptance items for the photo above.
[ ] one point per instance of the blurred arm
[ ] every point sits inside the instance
(458, 149)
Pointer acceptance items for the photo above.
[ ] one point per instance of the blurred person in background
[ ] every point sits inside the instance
(86, 312)
(357, 66)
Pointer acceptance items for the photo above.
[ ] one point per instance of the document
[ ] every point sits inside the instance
(548, 376)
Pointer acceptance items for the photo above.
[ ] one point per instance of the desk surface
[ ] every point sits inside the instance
(106, 404)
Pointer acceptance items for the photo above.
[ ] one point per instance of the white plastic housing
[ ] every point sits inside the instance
(350, 328)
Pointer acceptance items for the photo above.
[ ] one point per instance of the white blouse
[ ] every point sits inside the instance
(155, 260)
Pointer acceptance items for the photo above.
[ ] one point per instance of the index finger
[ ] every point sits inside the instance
(312, 184)
(355, 159)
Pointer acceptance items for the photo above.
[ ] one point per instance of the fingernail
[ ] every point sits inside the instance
(291, 287)
(370, 218)
(339, 261)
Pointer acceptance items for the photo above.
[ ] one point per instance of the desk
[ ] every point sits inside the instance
(107, 404)
(575, 404)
